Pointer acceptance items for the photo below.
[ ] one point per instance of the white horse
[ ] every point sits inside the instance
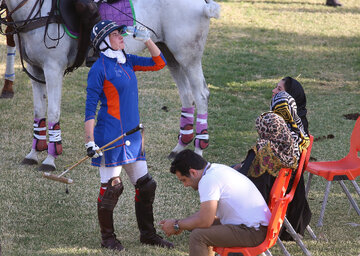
(181, 28)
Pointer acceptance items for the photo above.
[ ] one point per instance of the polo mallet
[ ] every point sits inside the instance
(104, 148)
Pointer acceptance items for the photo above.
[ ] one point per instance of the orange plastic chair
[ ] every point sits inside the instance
(278, 206)
(305, 156)
(347, 168)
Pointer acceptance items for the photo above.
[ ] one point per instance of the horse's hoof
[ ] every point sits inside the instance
(172, 155)
(7, 95)
(46, 168)
(28, 161)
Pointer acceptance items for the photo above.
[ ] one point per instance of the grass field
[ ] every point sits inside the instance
(253, 45)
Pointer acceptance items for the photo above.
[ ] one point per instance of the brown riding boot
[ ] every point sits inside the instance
(106, 204)
(145, 195)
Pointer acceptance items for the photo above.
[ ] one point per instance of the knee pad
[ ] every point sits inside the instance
(111, 195)
(145, 189)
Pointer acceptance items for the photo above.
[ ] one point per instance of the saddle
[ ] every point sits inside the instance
(70, 17)
(79, 16)
(76, 14)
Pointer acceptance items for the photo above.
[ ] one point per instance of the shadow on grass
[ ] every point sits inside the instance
(326, 10)
(278, 2)
(250, 54)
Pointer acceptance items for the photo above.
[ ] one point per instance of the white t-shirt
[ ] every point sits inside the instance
(239, 201)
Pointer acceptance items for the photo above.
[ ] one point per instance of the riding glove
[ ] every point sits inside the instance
(92, 149)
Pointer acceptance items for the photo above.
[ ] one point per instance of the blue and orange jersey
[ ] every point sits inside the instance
(114, 85)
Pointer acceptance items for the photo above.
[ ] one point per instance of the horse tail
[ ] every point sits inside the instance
(212, 9)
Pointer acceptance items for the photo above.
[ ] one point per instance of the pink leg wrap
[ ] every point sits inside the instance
(186, 126)
(39, 140)
(202, 136)
(55, 146)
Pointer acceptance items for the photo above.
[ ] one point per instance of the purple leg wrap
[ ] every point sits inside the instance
(55, 146)
(186, 126)
(202, 136)
(39, 140)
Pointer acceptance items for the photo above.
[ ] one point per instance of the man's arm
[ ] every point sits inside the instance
(204, 218)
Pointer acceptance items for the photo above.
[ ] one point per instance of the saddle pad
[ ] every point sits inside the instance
(122, 12)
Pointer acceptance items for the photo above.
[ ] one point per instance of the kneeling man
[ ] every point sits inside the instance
(232, 211)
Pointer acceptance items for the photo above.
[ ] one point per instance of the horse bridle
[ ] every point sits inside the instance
(21, 4)
(27, 25)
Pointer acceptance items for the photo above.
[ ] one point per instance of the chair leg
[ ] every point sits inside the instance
(352, 201)
(356, 186)
(268, 253)
(311, 232)
(308, 184)
(282, 247)
(326, 195)
(296, 237)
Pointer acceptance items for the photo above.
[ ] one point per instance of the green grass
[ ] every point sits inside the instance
(252, 46)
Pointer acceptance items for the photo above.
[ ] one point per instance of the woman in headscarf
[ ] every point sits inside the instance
(289, 101)
(295, 89)
(284, 105)
(274, 149)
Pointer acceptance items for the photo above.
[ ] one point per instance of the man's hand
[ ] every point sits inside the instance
(91, 149)
(168, 227)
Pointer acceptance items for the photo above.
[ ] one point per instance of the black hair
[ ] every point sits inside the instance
(288, 82)
(186, 160)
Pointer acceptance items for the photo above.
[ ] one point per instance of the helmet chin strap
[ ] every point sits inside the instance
(107, 47)
(110, 52)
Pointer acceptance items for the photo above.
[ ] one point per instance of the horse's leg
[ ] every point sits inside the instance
(201, 94)
(192, 90)
(7, 91)
(54, 77)
(187, 101)
(187, 110)
(39, 101)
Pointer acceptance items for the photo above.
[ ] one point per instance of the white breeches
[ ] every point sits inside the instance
(134, 171)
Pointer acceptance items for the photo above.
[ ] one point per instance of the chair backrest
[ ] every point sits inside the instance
(299, 172)
(279, 202)
(307, 159)
(279, 187)
(355, 139)
(278, 205)
(282, 181)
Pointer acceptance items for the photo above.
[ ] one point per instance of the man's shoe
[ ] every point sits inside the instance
(156, 240)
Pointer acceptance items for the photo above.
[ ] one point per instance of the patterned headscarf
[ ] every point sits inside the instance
(284, 105)
(275, 147)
